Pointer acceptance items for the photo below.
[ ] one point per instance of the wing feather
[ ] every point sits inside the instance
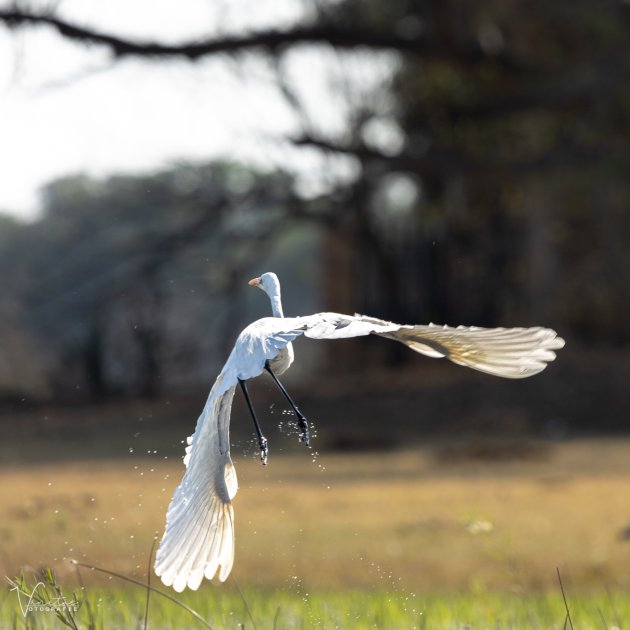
(199, 535)
(506, 352)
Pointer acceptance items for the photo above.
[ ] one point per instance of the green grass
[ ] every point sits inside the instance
(423, 538)
(227, 607)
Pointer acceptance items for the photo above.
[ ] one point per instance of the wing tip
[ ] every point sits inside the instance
(183, 564)
(192, 579)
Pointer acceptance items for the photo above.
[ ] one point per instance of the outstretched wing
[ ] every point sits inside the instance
(506, 352)
(199, 535)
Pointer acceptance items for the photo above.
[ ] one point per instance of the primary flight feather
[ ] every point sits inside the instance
(199, 538)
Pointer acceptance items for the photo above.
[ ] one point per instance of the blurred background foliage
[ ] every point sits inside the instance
(489, 186)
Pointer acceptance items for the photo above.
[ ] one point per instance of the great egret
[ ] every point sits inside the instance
(199, 535)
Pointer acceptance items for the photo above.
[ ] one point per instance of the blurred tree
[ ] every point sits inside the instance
(497, 156)
(120, 277)
(490, 180)
(17, 342)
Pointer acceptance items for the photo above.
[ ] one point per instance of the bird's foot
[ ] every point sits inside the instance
(305, 436)
(264, 451)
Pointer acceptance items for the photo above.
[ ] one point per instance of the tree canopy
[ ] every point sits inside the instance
(489, 183)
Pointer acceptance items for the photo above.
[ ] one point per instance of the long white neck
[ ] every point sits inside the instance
(276, 305)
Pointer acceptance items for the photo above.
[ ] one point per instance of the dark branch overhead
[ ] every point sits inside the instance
(271, 39)
(422, 45)
(607, 75)
(603, 77)
(439, 161)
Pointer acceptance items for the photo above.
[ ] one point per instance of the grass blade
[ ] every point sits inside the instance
(146, 608)
(194, 613)
(566, 605)
(249, 612)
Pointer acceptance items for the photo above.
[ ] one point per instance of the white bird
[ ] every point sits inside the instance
(199, 536)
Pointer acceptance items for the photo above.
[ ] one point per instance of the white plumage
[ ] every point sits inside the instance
(199, 536)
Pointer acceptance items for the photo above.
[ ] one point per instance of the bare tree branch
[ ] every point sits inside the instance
(341, 37)
(441, 161)
(271, 39)
(428, 163)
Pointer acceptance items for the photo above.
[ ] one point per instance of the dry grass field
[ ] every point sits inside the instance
(445, 518)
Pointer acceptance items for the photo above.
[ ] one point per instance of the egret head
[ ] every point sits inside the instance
(268, 282)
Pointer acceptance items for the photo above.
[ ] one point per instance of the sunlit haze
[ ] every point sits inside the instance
(67, 108)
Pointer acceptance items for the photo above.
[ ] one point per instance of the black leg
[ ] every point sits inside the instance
(302, 422)
(262, 440)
